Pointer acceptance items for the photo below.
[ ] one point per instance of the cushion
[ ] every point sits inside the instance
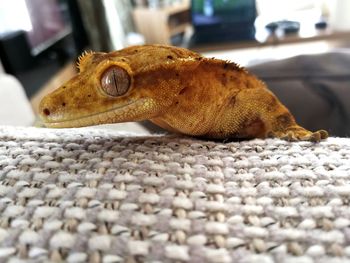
(95, 195)
(315, 88)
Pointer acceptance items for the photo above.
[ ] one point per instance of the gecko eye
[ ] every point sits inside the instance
(115, 81)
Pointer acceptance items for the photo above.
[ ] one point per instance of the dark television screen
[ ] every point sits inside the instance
(42, 20)
(47, 23)
(214, 12)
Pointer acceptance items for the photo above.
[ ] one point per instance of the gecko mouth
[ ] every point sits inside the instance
(123, 113)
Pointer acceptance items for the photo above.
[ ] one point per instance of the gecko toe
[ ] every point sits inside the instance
(297, 133)
(315, 137)
(324, 134)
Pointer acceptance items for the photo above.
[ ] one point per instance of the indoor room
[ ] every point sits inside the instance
(175, 131)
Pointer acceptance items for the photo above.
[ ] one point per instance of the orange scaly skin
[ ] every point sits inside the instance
(177, 89)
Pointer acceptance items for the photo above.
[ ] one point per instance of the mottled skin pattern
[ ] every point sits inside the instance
(177, 89)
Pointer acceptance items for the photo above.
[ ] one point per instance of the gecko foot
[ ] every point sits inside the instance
(297, 133)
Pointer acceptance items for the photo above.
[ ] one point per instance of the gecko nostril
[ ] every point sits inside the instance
(63, 104)
(46, 111)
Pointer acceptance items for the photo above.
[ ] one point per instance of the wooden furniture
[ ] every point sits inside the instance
(159, 25)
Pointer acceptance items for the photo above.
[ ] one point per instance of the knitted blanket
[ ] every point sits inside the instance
(94, 195)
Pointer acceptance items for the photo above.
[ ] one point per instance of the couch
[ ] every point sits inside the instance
(102, 195)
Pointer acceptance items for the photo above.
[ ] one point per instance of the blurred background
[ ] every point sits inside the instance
(291, 44)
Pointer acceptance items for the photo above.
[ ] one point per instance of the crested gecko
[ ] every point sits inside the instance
(175, 88)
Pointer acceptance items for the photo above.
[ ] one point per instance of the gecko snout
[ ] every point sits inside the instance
(46, 110)
(49, 111)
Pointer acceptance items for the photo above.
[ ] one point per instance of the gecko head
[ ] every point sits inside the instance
(108, 89)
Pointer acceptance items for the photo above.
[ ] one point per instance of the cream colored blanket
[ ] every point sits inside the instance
(94, 195)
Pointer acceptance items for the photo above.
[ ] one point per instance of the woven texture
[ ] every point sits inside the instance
(91, 195)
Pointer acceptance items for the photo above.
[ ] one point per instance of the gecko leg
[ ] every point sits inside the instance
(265, 116)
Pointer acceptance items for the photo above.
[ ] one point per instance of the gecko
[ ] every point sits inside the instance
(175, 88)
